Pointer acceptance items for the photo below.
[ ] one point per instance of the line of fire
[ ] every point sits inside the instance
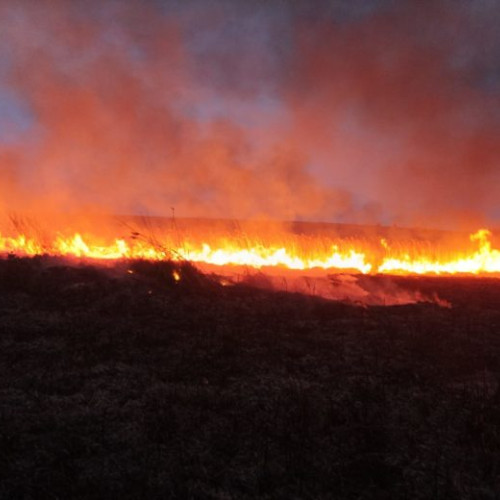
(309, 247)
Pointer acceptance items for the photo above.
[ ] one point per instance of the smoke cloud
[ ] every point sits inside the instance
(367, 112)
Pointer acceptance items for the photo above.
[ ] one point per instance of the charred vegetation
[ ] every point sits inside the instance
(127, 382)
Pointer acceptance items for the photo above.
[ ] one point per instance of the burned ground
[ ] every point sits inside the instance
(136, 385)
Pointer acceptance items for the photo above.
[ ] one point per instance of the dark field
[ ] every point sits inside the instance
(116, 385)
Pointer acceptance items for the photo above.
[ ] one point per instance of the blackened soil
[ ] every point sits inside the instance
(117, 384)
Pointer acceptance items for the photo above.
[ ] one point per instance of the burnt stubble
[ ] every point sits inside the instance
(117, 384)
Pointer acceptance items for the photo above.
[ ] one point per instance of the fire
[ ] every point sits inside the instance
(259, 256)
(386, 256)
(483, 260)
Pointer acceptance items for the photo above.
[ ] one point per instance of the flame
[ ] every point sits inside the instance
(484, 260)
(259, 256)
(387, 257)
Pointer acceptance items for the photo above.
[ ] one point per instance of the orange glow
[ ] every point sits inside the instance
(387, 256)
(483, 260)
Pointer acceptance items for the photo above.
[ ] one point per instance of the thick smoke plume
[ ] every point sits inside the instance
(369, 112)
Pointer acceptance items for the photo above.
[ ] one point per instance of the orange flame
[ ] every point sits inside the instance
(483, 260)
(386, 257)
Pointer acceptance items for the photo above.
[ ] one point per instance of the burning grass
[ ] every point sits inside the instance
(259, 245)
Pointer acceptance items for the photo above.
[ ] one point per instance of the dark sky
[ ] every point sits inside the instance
(349, 111)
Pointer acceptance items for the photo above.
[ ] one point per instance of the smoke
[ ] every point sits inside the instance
(397, 107)
(370, 112)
